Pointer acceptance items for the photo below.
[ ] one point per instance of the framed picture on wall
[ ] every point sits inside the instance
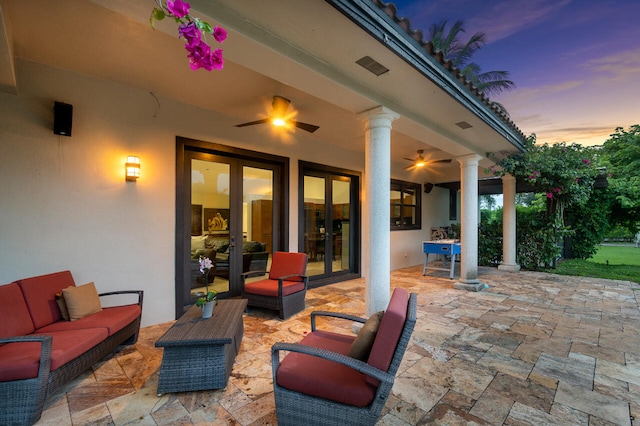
(196, 219)
(216, 220)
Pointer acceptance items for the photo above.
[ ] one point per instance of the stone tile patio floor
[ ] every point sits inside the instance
(531, 349)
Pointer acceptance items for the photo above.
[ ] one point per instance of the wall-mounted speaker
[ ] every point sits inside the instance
(428, 186)
(62, 118)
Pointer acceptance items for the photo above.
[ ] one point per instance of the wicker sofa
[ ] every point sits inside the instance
(254, 256)
(40, 351)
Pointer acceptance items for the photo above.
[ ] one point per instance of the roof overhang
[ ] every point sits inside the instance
(305, 51)
(373, 17)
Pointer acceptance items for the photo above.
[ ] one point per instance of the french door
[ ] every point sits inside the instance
(231, 213)
(329, 222)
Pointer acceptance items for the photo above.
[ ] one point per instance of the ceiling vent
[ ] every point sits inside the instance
(464, 125)
(372, 65)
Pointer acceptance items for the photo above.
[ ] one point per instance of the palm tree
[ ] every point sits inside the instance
(460, 53)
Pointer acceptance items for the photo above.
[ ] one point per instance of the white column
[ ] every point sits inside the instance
(469, 223)
(377, 186)
(509, 225)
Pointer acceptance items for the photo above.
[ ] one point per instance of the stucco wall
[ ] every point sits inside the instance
(64, 201)
(406, 247)
(65, 204)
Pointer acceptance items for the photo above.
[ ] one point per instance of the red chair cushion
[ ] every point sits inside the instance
(270, 287)
(16, 320)
(113, 319)
(384, 346)
(323, 378)
(40, 295)
(21, 360)
(286, 263)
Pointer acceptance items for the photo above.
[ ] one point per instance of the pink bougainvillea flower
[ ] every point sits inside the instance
(216, 59)
(189, 31)
(178, 7)
(220, 34)
(192, 30)
(549, 195)
(199, 55)
(585, 161)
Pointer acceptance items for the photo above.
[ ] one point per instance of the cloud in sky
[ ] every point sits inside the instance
(575, 63)
(501, 19)
(619, 65)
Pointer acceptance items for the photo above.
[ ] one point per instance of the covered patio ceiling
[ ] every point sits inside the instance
(304, 51)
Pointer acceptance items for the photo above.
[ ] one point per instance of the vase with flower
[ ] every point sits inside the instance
(208, 301)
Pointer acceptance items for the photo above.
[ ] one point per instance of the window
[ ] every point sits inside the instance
(406, 211)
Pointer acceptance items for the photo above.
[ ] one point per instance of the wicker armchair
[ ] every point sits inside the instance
(316, 383)
(284, 289)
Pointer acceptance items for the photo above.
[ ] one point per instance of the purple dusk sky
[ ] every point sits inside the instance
(575, 63)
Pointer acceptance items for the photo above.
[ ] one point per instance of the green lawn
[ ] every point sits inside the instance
(617, 255)
(610, 262)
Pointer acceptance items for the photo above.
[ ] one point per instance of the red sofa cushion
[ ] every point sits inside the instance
(384, 346)
(16, 320)
(20, 360)
(288, 263)
(113, 319)
(40, 295)
(270, 287)
(324, 378)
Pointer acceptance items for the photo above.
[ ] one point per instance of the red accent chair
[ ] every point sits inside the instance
(285, 288)
(318, 383)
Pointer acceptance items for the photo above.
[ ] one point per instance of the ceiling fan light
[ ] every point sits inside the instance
(278, 122)
(420, 163)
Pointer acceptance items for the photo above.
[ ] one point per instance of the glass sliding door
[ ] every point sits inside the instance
(314, 224)
(257, 221)
(329, 226)
(340, 220)
(210, 232)
(230, 210)
(232, 222)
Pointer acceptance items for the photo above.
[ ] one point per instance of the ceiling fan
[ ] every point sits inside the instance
(419, 161)
(279, 117)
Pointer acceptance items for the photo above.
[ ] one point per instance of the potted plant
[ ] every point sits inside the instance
(207, 301)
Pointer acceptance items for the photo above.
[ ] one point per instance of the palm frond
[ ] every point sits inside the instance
(460, 54)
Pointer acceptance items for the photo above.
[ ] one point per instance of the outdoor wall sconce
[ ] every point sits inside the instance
(132, 168)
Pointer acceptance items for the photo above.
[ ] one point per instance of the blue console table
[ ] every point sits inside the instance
(443, 247)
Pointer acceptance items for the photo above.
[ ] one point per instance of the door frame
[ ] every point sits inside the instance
(305, 167)
(183, 207)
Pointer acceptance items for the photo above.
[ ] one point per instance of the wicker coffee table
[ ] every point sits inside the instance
(199, 353)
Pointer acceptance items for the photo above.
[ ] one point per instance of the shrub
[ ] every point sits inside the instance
(537, 239)
(589, 223)
(490, 243)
